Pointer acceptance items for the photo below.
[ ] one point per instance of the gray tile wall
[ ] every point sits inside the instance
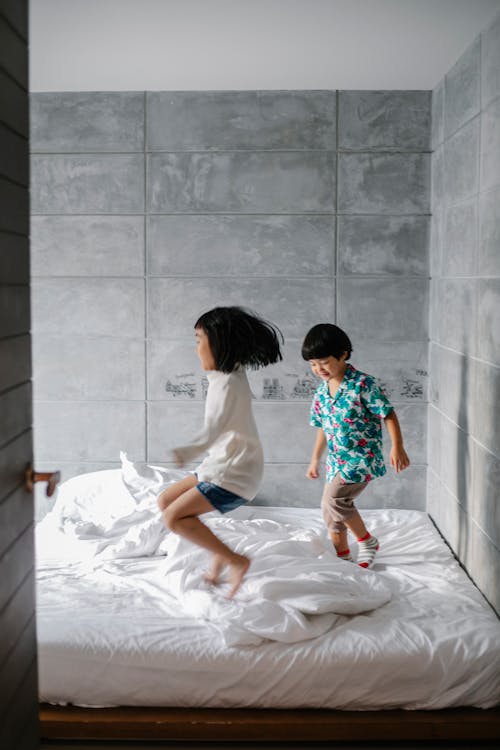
(148, 209)
(464, 433)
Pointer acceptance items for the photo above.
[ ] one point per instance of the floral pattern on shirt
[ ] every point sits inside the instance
(351, 421)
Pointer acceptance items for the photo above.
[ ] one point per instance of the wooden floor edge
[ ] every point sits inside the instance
(252, 725)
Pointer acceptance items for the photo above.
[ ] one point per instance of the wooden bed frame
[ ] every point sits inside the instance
(271, 725)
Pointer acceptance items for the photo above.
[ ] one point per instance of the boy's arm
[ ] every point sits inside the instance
(319, 447)
(399, 457)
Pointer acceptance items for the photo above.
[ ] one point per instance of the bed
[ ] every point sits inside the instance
(133, 643)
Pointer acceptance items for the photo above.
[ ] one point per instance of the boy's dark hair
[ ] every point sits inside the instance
(240, 337)
(326, 340)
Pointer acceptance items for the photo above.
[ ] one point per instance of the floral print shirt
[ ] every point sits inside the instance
(351, 421)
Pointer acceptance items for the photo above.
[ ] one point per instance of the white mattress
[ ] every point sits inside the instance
(111, 632)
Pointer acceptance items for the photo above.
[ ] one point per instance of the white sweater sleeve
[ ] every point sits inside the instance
(221, 399)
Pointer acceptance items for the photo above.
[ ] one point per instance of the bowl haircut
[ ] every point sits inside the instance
(240, 337)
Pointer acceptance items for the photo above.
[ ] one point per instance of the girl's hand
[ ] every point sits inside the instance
(179, 462)
(399, 458)
(312, 471)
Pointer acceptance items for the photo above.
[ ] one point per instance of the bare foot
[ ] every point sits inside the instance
(238, 567)
(215, 570)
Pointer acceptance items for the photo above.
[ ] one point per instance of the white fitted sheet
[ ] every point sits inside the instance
(111, 632)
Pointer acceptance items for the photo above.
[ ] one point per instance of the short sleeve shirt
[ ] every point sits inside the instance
(351, 421)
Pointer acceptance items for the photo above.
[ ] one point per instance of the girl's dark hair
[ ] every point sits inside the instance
(240, 337)
(326, 340)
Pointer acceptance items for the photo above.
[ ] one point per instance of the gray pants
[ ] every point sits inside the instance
(337, 503)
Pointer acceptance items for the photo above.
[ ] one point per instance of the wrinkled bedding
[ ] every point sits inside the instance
(126, 618)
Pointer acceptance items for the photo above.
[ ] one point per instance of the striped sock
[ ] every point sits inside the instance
(345, 555)
(367, 549)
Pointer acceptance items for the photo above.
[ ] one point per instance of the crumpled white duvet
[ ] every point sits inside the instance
(295, 588)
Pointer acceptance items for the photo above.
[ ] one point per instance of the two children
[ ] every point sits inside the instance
(347, 409)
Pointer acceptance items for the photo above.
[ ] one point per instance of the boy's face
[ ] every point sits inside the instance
(329, 367)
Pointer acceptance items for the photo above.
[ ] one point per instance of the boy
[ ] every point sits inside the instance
(348, 408)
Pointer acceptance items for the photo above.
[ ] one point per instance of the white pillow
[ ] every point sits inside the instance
(145, 482)
(98, 497)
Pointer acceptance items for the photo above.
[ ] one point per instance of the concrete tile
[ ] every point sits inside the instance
(462, 89)
(170, 425)
(384, 183)
(174, 374)
(15, 356)
(243, 120)
(456, 461)
(405, 491)
(461, 163)
(88, 307)
(413, 421)
(277, 421)
(285, 484)
(258, 182)
(89, 431)
(386, 245)
(78, 368)
(460, 239)
(437, 118)
(14, 259)
(434, 418)
(169, 317)
(434, 308)
(452, 385)
(372, 120)
(483, 503)
(490, 146)
(15, 407)
(436, 241)
(242, 246)
(488, 261)
(488, 321)
(438, 196)
(401, 368)
(383, 309)
(483, 564)
(87, 184)
(14, 310)
(485, 421)
(86, 121)
(490, 62)
(87, 245)
(456, 314)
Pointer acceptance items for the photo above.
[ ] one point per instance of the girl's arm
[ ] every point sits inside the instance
(319, 447)
(221, 401)
(399, 457)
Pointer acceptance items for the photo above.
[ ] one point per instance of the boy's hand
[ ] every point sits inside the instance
(312, 471)
(399, 458)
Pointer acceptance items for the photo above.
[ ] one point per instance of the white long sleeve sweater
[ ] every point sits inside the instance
(235, 459)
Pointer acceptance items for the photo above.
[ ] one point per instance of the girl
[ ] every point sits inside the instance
(228, 339)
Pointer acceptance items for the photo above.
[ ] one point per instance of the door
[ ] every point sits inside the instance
(18, 675)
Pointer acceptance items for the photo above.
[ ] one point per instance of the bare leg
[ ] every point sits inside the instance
(181, 517)
(339, 539)
(356, 525)
(175, 490)
(215, 570)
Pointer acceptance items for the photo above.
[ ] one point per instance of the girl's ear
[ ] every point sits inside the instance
(344, 356)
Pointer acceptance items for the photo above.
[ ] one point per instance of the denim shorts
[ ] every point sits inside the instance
(221, 499)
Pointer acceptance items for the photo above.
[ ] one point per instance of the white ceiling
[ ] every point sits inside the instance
(113, 45)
